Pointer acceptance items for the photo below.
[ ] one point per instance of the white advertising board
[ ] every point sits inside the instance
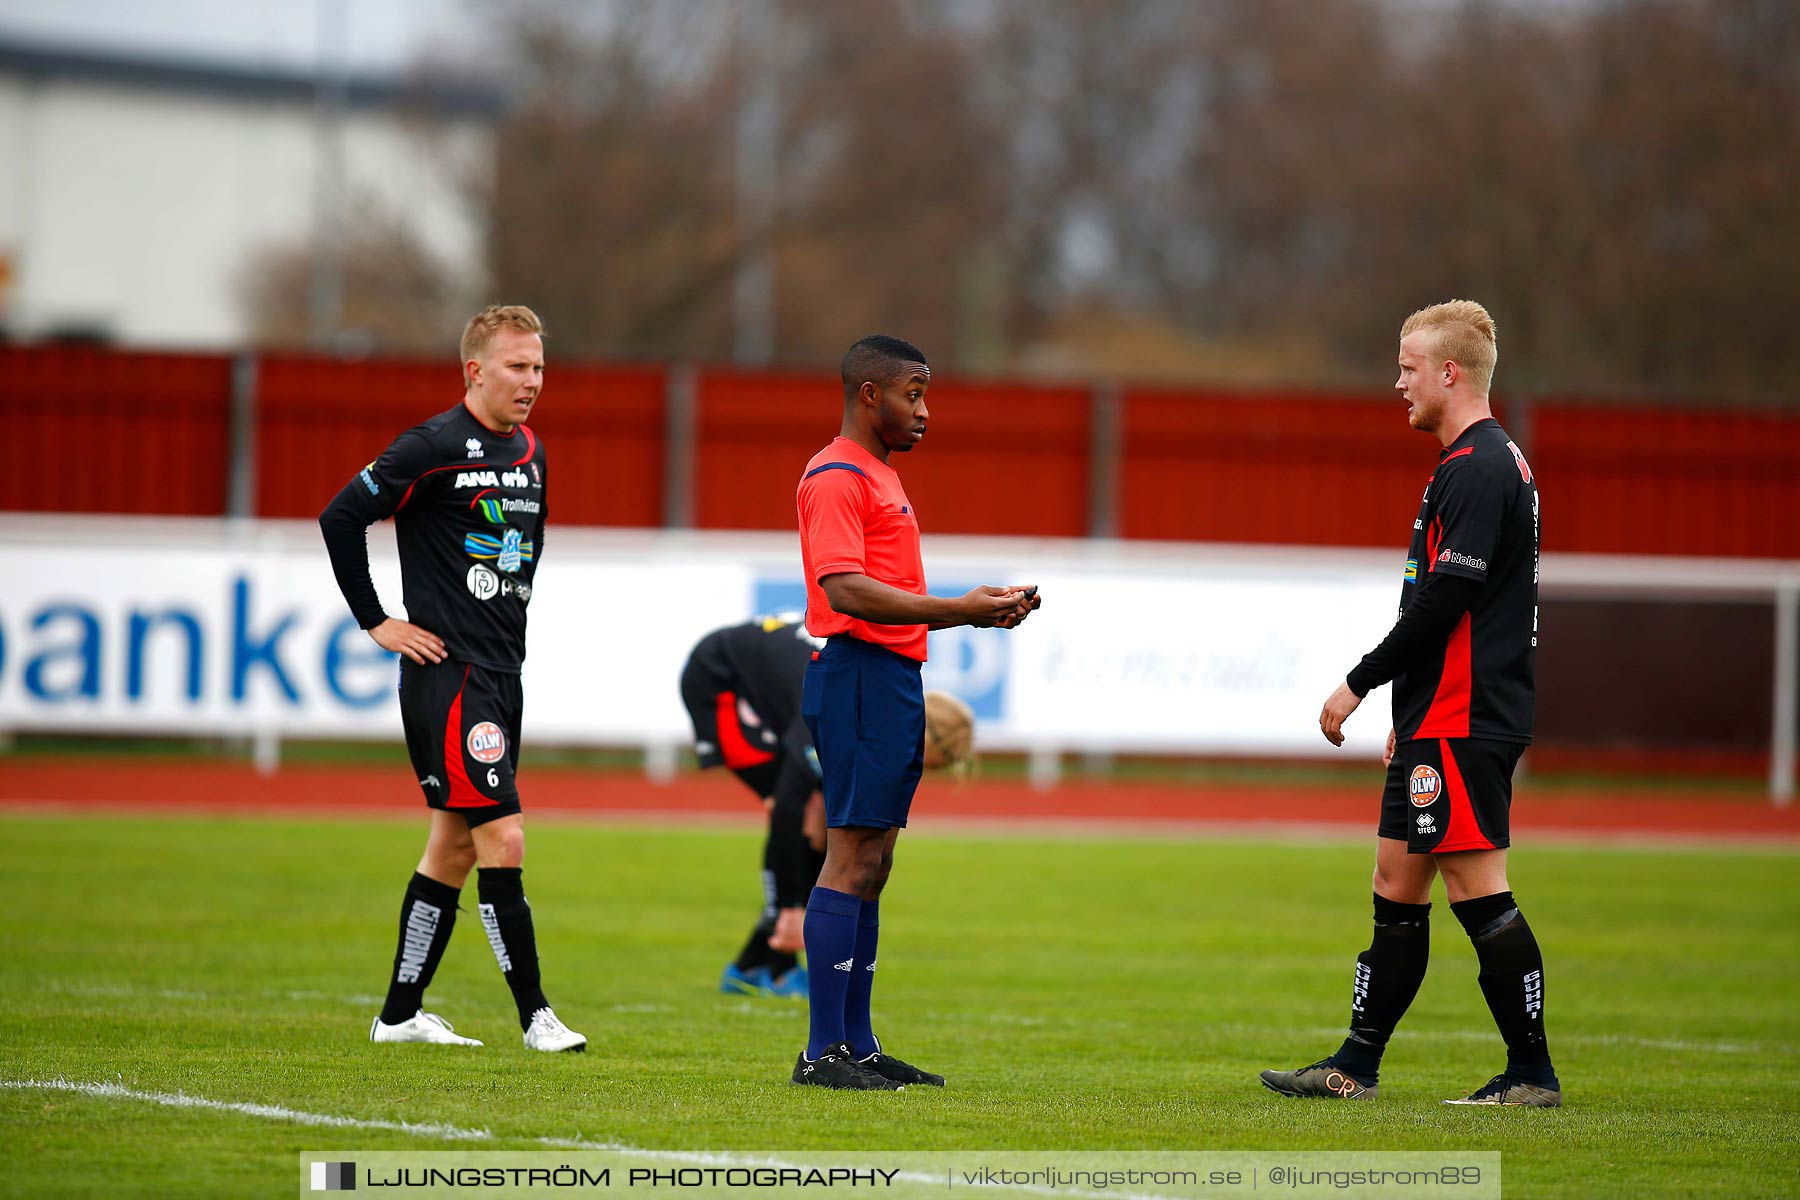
(209, 627)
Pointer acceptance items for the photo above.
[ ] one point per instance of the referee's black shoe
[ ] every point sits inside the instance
(836, 1068)
(892, 1068)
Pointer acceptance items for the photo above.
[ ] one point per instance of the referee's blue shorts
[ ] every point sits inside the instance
(865, 708)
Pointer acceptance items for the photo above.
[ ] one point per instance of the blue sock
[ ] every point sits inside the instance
(862, 982)
(830, 959)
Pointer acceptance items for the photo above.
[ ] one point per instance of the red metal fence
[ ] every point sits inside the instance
(108, 432)
(152, 433)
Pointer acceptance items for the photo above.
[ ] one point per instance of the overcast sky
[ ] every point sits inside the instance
(379, 35)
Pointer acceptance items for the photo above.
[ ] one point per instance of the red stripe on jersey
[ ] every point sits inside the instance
(1433, 535)
(531, 447)
(462, 788)
(1461, 831)
(1456, 454)
(461, 466)
(738, 753)
(1448, 715)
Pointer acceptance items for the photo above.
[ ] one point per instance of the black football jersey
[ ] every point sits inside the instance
(764, 662)
(1479, 520)
(469, 507)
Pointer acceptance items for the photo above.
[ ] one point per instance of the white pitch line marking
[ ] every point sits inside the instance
(457, 1133)
(271, 1112)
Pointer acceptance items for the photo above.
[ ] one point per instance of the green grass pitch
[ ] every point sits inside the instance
(1080, 994)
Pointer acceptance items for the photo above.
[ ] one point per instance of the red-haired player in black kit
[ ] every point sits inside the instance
(467, 493)
(1461, 660)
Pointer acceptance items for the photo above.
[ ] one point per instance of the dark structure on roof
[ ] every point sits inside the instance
(443, 97)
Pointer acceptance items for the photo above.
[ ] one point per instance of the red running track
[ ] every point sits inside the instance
(1077, 805)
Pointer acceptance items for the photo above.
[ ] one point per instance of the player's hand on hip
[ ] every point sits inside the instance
(790, 931)
(986, 606)
(1338, 706)
(1387, 756)
(403, 637)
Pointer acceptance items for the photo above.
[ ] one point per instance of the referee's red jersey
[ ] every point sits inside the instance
(855, 518)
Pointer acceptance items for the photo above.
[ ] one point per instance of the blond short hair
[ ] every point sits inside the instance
(1465, 336)
(479, 333)
(950, 726)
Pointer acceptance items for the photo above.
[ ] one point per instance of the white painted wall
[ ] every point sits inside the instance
(138, 210)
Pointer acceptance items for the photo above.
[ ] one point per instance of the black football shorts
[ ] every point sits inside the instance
(462, 733)
(1445, 794)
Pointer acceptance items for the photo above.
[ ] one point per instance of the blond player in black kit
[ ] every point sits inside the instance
(467, 491)
(1461, 661)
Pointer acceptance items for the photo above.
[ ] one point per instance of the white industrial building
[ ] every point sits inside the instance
(135, 193)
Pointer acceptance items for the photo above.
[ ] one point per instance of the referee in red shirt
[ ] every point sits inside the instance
(863, 700)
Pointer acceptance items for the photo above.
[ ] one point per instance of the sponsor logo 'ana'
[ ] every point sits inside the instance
(1462, 560)
(486, 742)
(477, 479)
(1424, 786)
(514, 478)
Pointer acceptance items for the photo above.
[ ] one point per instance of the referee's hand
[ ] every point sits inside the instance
(403, 637)
(986, 606)
(1029, 600)
(1338, 707)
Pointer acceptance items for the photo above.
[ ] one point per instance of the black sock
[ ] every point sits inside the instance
(1388, 975)
(1512, 980)
(507, 918)
(427, 916)
(756, 952)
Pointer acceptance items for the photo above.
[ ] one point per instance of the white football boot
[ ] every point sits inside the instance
(420, 1027)
(547, 1032)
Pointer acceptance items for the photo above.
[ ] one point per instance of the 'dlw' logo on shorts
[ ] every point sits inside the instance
(1424, 786)
(334, 1177)
(487, 743)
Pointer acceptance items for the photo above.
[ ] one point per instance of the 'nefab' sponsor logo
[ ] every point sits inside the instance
(1462, 560)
